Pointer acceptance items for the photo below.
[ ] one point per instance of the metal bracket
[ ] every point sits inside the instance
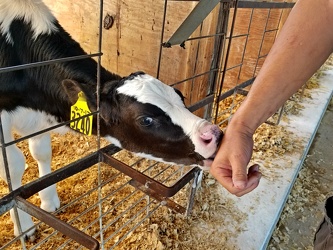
(163, 200)
(198, 14)
(145, 180)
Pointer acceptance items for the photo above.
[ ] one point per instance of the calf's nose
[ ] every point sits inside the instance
(206, 137)
(210, 134)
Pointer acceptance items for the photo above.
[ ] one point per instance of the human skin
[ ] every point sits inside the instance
(303, 45)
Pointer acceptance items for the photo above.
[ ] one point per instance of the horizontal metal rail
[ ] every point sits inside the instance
(264, 5)
(252, 4)
(63, 227)
(34, 187)
(210, 99)
(48, 62)
(23, 138)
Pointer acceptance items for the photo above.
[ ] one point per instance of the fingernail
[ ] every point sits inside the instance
(239, 184)
(256, 168)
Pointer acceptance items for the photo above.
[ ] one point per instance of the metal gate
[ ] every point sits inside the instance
(124, 195)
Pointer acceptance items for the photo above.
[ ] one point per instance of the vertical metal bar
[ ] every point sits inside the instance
(99, 59)
(262, 41)
(4, 156)
(245, 46)
(261, 44)
(226, 58)
(98, 89)
(195, 64)
(279, 22)
(217, 52)
(8, 180)
(195, 184)
(282, 108)
(161, 42)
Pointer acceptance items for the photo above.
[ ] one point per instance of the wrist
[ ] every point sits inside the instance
(245, 121)
(240, 126)
(254, 111)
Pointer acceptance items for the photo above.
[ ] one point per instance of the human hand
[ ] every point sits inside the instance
(230, 164)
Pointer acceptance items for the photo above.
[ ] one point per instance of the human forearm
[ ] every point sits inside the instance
(304, 43)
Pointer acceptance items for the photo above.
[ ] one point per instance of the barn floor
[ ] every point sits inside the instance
(304, 209)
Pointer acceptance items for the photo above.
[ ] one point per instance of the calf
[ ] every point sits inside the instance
(138, 112)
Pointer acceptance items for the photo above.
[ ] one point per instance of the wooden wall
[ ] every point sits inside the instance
(133, 42)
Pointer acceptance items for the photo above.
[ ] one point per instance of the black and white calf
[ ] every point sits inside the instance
(137, 112)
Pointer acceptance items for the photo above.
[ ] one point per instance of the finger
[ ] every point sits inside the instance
(239, 163)
(253, 181)
(254, 168)
(247, 190)
(239, 176)
(223, 176)
(227, 183)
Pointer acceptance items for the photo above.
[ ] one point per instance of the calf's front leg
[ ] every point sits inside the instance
(41, 150)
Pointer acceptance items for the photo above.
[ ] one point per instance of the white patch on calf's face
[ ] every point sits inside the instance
(147, 89)
(114, 141)
(34, 12)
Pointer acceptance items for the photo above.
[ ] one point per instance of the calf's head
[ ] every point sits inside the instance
(145, 116)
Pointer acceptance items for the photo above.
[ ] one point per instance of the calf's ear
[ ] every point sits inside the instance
(109, 108)
(109, 111)
(72, 88)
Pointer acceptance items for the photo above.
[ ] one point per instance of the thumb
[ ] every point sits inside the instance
(239, 176)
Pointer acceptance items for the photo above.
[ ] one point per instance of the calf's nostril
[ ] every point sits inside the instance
(207, 141)
(206, 138)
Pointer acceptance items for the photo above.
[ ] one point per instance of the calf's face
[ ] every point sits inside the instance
(149, 118)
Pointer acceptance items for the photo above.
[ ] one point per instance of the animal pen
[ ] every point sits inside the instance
(210, 50)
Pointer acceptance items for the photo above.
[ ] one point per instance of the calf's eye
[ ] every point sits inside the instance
(146, 121)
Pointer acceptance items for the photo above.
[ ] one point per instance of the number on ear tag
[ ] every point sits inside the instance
(79, 109)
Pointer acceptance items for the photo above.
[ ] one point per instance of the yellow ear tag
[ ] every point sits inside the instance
(79, 109)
